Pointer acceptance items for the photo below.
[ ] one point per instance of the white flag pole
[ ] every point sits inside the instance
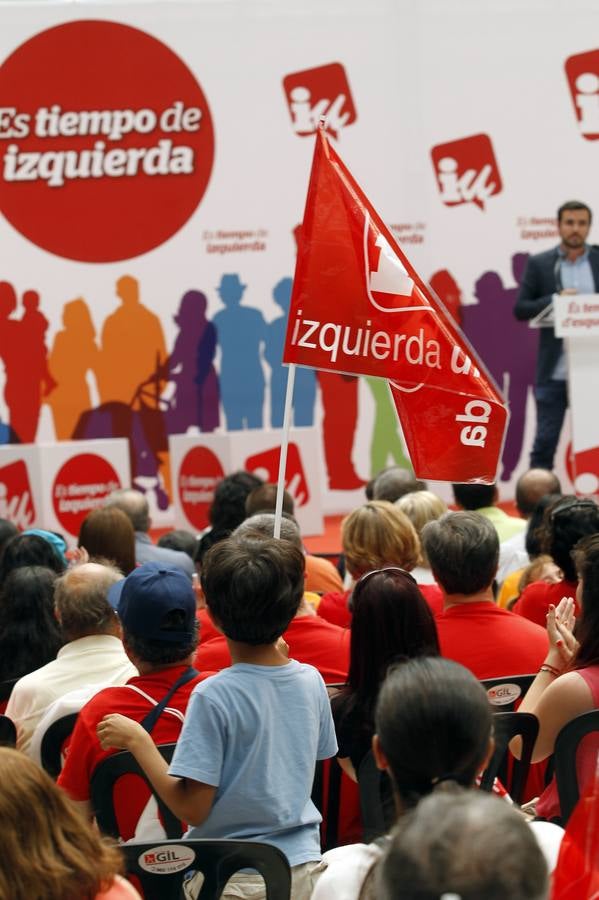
(284, 445)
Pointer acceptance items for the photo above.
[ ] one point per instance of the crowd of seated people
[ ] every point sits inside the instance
(223, 645)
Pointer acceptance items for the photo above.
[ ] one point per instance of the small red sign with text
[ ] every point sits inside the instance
(466, 170)
(16, 496)
(106, 141)
(199, 474)
(582, 72)
(83, 482)
(323, 91)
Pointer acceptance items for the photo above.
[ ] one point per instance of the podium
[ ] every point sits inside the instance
(576, 319)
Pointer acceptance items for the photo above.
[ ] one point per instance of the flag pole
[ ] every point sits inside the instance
(284, 445)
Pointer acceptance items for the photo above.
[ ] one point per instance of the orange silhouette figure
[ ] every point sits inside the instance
(74, 354)
(133, 345)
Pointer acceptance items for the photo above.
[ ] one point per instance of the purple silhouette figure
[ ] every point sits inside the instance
(507, 350)
(190, 366)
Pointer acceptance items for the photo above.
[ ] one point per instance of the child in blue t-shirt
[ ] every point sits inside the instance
(244, 763)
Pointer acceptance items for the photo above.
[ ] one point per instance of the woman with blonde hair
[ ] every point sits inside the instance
(49, 852)
(373, 536)
(422, 507)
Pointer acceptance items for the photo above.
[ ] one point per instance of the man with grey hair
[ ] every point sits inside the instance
(135, 506)
(92, 655)
(463, 551)
(394, 482)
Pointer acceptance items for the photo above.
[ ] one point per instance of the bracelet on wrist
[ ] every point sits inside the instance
(550, 669)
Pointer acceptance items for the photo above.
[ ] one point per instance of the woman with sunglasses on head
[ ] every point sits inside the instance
(567, 683)
(391, 622)
(565, 522)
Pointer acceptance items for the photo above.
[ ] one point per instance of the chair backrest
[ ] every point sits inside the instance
(506, 726)
(52, 742)
(8, 732)
(104, 782)
(564, 755)
(5, 692)
(376, 799)
(160, 867)
(505, 692)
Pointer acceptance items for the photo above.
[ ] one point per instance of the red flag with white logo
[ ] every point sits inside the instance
(359, 307)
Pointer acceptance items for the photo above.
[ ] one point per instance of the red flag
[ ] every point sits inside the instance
(576, 873)
(359, 307)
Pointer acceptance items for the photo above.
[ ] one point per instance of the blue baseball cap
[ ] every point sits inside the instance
(144, 598)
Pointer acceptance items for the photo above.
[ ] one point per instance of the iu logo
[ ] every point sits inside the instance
(16, 497)
(582, 72)
(466, 170)
(313, 93)
(266, 466)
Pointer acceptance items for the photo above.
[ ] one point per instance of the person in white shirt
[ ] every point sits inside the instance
(93, 654)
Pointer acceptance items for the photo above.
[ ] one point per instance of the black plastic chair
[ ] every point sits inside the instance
(376, 799)
(8, 732)
(508, 725)
(505, 692)
(104, 782)
(160, 867)
(52, 741)
(566, 747)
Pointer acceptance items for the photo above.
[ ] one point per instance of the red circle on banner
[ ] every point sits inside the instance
(82, 484)
(199, 473)
(73, 177)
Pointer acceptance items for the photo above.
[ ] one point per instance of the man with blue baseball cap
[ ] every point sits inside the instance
(156, 606)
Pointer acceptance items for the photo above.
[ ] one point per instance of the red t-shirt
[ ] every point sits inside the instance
(83, 751)
(208, 629)
(311, 640)
(333, 606)
(490, 641)
(535, 599)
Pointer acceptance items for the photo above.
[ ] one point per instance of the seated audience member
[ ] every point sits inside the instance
(448, 847)
(531, 487)
(321, 574)
(433, 736)
(394, 482)
(227, 510)
(483, 499)
(47, 849)
(463, 548)
(565, 522)
(311, 639)
(542, 568)
(374, 535)
(92, 654)
(107, 533)
(391, 621)
(29, 634)
(179, 539)
(244, 764)
(156, 608)
(7, 530)
(27, 549)
(135, 506)
(567, 683)
(421, 507)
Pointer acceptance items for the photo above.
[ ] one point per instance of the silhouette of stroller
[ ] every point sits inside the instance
(142, 422)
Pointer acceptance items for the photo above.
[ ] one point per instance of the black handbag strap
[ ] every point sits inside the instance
(150, 720)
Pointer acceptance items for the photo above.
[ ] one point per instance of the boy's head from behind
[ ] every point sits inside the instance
(253, 587)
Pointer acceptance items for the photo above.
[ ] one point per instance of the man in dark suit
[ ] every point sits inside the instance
(570, 268)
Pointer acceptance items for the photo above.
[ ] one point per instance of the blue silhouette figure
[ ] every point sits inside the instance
(304, 393)
(241, 332)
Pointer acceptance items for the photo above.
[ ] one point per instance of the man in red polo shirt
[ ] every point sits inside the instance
(156, 606)
(311, 639)
(463, 551)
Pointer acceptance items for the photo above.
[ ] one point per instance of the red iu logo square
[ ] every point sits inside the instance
(466, 170)
(16, 496)
(266, 466)
(582, 72)
(313, 93)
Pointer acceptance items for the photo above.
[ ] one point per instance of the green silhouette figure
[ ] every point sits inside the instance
(386, 440)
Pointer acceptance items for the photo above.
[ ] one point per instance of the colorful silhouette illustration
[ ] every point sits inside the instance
(190, 367)
(133, 347)
(241, 332)
(448, 290)
(74, 353)
(507, 349)
(35, 326)
(385, 441)
(304, 392)
(340, 407)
